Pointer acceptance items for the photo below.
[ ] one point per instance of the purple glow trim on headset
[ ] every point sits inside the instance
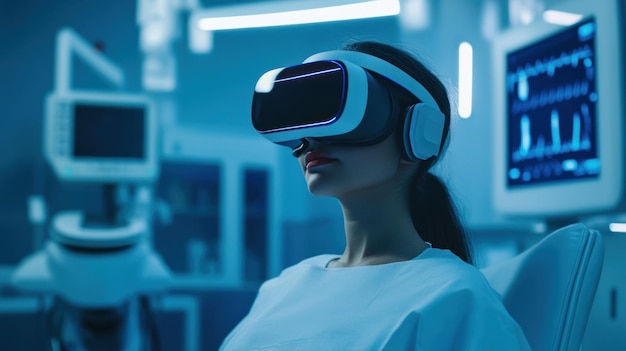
(309, 74)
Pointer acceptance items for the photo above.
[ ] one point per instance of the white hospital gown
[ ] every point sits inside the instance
(433, 302)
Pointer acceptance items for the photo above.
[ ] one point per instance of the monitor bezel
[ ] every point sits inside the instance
(571, 197)
(58, 137)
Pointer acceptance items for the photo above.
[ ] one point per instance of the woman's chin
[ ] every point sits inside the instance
(318, 187)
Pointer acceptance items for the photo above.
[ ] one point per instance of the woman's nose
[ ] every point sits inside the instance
(308, 143)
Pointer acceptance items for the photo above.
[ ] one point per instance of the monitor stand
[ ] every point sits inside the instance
(111, 228)
(77, 230)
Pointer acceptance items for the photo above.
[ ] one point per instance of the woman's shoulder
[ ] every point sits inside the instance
(466, 304)
(448, 275)
(443, 262)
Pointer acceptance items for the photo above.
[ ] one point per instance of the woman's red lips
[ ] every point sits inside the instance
(315, 158)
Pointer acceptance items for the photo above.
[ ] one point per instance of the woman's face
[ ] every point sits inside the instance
(336, 170)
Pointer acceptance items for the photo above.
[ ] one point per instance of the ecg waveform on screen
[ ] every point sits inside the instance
(552, 96)
(560, 144)
(549, 65)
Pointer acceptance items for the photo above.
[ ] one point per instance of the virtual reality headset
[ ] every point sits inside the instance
(339, 96)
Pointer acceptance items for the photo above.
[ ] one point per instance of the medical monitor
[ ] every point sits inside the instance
(558, 116)
(101, 137)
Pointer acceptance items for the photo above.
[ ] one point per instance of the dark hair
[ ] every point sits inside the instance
(433, 212)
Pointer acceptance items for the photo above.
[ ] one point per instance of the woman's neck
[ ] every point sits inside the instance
(378, 230)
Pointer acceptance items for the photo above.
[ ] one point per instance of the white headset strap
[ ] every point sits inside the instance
(380, 66)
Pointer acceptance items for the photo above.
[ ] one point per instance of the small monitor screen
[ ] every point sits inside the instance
(109, 132)
(551, 105)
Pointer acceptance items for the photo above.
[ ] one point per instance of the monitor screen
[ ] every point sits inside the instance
(109, 131)
(558, 137)
(551, 108)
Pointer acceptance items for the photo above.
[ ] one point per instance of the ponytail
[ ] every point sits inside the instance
(435, 217)
(433, 213)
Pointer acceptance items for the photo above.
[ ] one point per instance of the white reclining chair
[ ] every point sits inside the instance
(550, 287)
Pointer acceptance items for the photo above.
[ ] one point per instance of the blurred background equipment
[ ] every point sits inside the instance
(98, 267)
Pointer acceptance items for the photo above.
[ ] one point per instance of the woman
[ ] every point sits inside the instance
(405, 279)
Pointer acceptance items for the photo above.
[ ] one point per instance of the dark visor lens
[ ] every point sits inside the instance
(302, 95)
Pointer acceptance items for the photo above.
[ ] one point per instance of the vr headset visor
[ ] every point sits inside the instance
(336, 95)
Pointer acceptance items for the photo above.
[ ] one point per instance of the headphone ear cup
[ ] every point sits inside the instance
(423, 132)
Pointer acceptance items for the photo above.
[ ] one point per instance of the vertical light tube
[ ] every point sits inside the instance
(465, 79)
